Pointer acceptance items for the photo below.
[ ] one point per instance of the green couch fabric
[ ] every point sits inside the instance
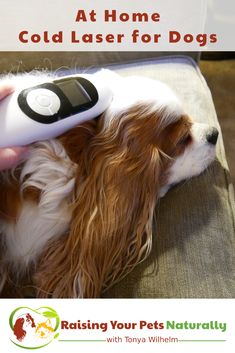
(193, 253)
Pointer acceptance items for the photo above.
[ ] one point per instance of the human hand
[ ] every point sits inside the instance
(9, 157)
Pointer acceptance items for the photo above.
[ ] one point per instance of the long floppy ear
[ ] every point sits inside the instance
(111, 228)
(77, 139)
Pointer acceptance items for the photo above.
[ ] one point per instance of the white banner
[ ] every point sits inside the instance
(107, 25)
(120, 325)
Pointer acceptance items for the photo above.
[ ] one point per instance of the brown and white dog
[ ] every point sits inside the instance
(76, 216)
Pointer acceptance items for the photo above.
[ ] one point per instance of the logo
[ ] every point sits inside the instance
(33, 329)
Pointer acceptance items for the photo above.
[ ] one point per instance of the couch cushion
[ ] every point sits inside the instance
(27, 61)
(193, 253)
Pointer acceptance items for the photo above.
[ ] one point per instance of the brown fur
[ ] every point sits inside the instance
(120, 170)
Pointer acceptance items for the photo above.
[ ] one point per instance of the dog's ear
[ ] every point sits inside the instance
(111, 228)
(78, 138)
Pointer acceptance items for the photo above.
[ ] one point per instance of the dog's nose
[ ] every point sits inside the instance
(212, 136)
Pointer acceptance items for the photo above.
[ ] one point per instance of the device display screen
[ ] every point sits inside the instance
(75, 93)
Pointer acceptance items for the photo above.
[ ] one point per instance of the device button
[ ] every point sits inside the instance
(43, 101)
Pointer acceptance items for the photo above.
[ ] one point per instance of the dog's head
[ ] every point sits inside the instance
(126, 159)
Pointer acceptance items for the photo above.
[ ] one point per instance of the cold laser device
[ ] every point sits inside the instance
(51, 108)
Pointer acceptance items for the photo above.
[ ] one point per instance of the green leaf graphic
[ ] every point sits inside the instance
(50, 314)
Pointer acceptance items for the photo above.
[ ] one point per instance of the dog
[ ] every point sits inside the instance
(76, 215)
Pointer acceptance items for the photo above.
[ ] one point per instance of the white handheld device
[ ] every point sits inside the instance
(51, 108)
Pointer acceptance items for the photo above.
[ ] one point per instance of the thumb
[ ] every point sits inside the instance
(10, 157)
(6, 89)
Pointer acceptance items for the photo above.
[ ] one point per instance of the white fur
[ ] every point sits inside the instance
(25, 80)
(132, 90)
(195, 159)
(49, 169)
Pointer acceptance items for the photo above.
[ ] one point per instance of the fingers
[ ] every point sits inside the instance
(9, 157)
(6, 88)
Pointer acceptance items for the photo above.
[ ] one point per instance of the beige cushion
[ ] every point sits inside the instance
(27, 61)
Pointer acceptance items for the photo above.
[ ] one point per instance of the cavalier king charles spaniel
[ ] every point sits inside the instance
(76, 216)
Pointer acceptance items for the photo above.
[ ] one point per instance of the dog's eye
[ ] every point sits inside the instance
(185, 140)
